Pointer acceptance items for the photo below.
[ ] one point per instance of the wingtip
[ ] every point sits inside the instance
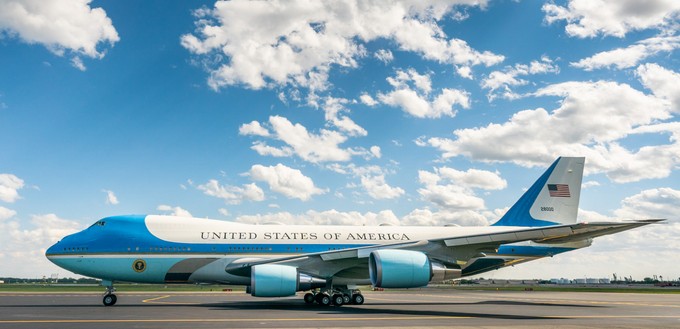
(649, 220)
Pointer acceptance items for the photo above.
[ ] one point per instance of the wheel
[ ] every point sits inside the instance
(338, 300)
(110, 300)
(357, 299)
(309, 298)
(346, 299)
(323, 299)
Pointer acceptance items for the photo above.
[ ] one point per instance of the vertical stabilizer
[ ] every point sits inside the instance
(553, 199)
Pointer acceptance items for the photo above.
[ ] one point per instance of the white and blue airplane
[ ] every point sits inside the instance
(331, 261)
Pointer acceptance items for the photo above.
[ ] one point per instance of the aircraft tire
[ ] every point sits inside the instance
(110, 300)
(358, 299)
(323, 299)
(309, 298)
(338, 300)
(346, 299)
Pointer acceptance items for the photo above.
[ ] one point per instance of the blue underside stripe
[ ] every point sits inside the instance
(534, 251)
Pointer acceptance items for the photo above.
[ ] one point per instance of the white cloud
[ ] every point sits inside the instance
(384, 55)
(501, 83)
(664, 83)
(287, 181)
(537, 137)
(333, 107)
(452, 189)
(630, 56)
(303, 40)
(9, 187)
(403, 79)
(661, 202)
(375, 151)
(174, 211)
(451, 197)
(590, 183)
(315, 148)
(464, 72)
(587, 18)
(223, 212)
(253, 128)
(111, 197)
(65, 25)
(6, 213)
(368, 100)
(377, 188)
(23, 249)
(357, 171)
(263, 149)
(412, 94)
(473, 178)
(464, 217)
(78, 63)
(232, 194)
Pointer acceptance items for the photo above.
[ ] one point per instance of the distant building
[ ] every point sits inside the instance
(560, 281)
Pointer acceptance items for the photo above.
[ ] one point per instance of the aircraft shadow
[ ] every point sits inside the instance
(368, 310)
(365, 310)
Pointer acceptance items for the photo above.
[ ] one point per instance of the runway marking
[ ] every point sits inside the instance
(391, 318)
(155, 298)
(156, 301)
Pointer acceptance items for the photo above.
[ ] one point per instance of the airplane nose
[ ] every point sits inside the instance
(51, 249)
(54, 249)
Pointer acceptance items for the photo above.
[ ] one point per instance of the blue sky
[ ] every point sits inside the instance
(342, 112)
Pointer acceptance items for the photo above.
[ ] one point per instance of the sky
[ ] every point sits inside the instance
(347, 112)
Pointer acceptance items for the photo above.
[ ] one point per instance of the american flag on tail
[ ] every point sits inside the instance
(559, 190)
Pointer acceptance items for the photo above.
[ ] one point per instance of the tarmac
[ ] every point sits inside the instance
(425, 308)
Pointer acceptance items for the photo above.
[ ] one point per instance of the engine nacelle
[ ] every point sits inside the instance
(272, 280)
(391, 268)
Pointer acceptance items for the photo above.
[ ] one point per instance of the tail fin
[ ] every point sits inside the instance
(552, 200)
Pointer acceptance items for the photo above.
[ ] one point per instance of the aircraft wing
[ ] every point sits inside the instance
(450, 251)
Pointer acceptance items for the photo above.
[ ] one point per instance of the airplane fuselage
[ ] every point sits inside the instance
(164, 249)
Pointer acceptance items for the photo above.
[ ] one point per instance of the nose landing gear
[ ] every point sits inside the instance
(110, 298)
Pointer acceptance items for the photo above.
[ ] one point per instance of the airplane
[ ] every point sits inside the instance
(330, 261)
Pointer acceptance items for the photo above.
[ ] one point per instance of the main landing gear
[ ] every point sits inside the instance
(337, 297)
(110, 298)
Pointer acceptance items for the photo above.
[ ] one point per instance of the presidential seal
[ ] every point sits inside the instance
(139, 265)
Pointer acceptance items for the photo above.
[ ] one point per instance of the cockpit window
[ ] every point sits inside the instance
(99, 223)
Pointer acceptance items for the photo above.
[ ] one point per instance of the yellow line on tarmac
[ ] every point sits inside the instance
(156, 298)
(156, 301)
(233, 320)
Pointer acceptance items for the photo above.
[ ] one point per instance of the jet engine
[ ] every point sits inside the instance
(273, 280)
(391, 268)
